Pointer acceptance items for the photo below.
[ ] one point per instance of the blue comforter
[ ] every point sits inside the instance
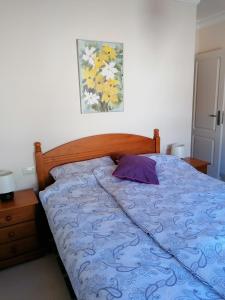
(105, 254)
(185, 215)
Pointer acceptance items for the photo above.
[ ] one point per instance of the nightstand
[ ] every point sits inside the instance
(18, 231)
(198, 164)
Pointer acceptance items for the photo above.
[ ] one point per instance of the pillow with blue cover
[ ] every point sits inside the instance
(86, 166)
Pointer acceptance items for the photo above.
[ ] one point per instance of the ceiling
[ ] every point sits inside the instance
(209, 8)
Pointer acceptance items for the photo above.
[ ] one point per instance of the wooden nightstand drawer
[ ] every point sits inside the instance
(18, 247)
(18, 215)
(202, 169)
(18, 229)
(198, 164)
(15, 232)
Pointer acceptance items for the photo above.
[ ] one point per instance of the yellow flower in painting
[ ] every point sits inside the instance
(99, 83)
(89, 75)
(110, 95)
(107, 98)
(99, 61)
(109, 52)
(111, 83)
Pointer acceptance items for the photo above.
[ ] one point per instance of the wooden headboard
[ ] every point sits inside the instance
(91, 147)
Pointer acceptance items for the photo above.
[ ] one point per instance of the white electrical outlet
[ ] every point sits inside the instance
(28, 170)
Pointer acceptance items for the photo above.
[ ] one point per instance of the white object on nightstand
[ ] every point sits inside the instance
(7, 183)
(178, 150)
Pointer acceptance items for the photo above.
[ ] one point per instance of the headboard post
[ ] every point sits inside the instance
(157, 140)
(40, 166)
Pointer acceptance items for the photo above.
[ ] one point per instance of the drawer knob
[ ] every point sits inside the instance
(11, 234)
(8, 218)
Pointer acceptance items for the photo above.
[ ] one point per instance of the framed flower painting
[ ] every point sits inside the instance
(101, 76)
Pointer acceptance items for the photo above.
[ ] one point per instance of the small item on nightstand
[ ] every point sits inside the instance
(7, 185)
(178, 150)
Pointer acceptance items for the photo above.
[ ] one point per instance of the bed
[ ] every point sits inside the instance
(121, 240)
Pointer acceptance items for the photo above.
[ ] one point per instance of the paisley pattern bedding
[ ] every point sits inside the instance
(185, 215)
(108, 257)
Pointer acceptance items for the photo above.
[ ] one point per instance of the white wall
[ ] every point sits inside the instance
(39, 91)
(211, 37)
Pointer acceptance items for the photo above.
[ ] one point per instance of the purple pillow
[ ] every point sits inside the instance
(137, 168)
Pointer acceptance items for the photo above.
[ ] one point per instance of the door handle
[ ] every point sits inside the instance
(218, 118)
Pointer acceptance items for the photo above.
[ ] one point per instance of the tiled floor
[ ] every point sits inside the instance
(39, 279)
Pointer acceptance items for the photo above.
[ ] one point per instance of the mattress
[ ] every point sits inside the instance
(106, 253)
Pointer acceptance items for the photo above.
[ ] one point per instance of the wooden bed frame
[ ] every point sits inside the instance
(89, 148)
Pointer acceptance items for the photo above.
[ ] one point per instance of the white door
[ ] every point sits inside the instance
(208, 109)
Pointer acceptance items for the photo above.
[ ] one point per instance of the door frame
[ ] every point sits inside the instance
(221, 53)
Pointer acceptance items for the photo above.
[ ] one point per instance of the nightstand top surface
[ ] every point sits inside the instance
(196, 162)
(21, 199)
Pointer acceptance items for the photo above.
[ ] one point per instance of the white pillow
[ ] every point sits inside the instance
(86, 166)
